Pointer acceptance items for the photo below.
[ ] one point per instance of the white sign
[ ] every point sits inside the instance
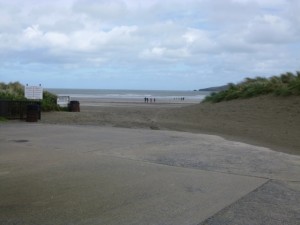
(63, 100)
(34, 92)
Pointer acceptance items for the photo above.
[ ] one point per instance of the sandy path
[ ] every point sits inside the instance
(265, 121)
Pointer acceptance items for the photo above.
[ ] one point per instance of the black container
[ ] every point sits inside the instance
(33, 113)
(74, 106)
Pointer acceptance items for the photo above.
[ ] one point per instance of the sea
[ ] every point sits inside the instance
(107, 95)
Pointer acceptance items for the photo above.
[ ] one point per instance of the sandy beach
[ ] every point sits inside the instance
(266, 121)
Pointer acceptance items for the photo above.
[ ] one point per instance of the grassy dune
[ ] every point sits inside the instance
(284, 85)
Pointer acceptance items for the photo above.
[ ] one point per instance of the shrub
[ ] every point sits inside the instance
(283, 85)
(15, 91)
(294, 86)
(49, 102)
(215, 97)
(12, 91)
(283, 91)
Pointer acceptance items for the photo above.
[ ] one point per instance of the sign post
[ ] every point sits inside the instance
(34, 92)
(63, 101)
(33, 111)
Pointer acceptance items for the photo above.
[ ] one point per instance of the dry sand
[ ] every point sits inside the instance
(267, 121)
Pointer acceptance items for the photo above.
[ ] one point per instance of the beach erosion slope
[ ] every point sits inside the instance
(267, 121)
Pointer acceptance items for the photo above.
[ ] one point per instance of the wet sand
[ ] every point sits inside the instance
(267, 121)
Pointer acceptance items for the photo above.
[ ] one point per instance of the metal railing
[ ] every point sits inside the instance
(11, 109)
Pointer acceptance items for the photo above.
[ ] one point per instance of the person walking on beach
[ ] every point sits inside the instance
(145, 99)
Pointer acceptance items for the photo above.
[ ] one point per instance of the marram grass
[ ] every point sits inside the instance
(284, 85)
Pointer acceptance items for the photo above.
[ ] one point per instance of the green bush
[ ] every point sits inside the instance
(12, 91)
(294, 86)
(283, 91)
(283, 85)
(49, 102)
(15, 91)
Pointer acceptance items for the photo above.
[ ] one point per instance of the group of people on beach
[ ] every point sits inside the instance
(147, 100)
(153, 100)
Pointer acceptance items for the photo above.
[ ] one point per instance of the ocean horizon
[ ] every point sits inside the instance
(130, 95)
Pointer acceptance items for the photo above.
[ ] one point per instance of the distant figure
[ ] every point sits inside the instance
(154, 100)
(145, 99)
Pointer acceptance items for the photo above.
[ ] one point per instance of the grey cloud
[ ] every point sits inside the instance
(103, 10)
(270, 29)
(207, 38)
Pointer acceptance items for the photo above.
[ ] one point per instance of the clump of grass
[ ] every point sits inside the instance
(284, 85)
(15, 91)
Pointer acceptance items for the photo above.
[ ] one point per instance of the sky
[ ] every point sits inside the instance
(146, 44)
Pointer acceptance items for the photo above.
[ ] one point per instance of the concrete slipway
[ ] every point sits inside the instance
(53, 174)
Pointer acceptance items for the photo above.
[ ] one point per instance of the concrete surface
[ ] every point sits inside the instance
(53, 174)
(275, 203)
